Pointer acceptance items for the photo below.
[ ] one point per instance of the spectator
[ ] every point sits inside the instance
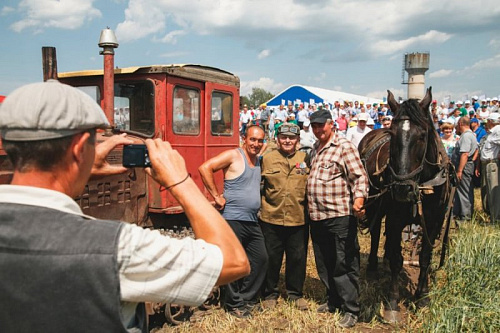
(478, 130)
(307, 138)
(356, 133)
(92, 275)
(387, 121)
(336, 189)
(448, 137)
(489, 166)
(282, 217)
(463, 158)
(240, 203)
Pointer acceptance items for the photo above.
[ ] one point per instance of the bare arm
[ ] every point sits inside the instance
(169, 168)
(207, 170)
(463, 161)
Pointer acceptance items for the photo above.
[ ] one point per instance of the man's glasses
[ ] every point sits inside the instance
(289, 129)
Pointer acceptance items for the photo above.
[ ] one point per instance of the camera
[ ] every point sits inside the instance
(136, 156)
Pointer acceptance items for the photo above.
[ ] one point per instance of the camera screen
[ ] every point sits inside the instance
(135, 156)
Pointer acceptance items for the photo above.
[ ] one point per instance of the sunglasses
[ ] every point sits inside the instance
(289, 129)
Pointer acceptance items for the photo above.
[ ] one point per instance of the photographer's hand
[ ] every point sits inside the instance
(101, 167)
(168, 166)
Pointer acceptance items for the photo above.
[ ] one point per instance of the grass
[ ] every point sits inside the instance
(465, 294)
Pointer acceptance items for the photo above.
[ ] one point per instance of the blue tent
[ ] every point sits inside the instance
(306, 94)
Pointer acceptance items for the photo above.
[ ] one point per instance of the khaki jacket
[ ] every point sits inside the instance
(284, 194)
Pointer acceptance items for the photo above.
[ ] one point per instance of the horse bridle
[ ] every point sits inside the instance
(410, 179)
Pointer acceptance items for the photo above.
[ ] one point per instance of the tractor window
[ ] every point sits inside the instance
(222, 114)
(134, 107)
(186, 115)
(92, 91)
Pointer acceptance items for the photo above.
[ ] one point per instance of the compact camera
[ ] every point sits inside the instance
(136, 156)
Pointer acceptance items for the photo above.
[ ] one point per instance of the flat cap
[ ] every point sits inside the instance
(320, 117)
(48, 110)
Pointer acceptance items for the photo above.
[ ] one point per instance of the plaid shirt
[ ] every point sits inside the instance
(336, 177)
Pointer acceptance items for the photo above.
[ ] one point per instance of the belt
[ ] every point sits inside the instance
(489, 161)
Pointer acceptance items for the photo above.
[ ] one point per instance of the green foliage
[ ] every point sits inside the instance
(467, 295)
(259, 96)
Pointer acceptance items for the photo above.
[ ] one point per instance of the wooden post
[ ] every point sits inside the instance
(49, 63)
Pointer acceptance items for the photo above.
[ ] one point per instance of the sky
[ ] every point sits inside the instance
(354, 46)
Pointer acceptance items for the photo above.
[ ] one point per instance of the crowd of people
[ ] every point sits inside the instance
(103, 271)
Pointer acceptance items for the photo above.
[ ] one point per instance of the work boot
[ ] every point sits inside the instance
(268, 304)
(348, 320)
(241, 313)
(301, 304)
(325, 308)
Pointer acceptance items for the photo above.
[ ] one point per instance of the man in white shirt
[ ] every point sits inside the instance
(53, 254)
(356, 133)
(489, 168)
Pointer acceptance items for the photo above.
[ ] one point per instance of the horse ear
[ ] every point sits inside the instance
(393, 104)
(426, 101)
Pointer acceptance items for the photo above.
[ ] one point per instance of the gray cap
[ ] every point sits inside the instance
(48, 110)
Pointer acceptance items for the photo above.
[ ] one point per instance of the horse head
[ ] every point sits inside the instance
(410, 133)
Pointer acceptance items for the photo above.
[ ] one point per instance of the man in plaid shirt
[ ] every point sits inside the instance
(336, 190)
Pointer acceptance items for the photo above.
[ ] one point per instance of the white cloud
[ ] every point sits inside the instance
(171, 37)
(264, 54)
(141, 20)
(263, 82)
(7, 10)
(493, 62)
(393, 46)
(63, 14)
(441, 73)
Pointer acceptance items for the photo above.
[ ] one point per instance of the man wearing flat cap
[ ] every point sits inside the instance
(283, 217)
(92, 275)
(336, 190)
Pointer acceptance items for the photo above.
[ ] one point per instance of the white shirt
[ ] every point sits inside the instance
(491, 147)
(302, 115)
(307, 139)
(355, 134)
(152, 267)
(245, 117)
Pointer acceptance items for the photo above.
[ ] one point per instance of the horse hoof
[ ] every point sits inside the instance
(392, 316)
(423, 301)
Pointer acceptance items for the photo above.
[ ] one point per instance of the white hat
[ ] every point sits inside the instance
(475, 97)
(488, 99)
(363, 116)
(307, 122)
(494, 116)
(48, 110)
(459, 102)
(467, 102)
(370, 121)
(342, 112)
(494, 99)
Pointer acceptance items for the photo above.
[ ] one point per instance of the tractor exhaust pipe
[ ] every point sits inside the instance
(49, 63)
(108, 43)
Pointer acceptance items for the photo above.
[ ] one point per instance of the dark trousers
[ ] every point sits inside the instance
(336, 250)
(292, 241)
(245, 290)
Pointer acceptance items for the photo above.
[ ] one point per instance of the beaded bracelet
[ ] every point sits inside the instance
(182, 181)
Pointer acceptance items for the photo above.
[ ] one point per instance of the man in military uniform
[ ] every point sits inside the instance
(282, 216)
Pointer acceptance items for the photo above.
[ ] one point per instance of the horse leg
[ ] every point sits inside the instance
(393, 232)
(374, 241)
(434, 224)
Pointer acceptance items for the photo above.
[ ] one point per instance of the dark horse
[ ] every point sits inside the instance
(410, 175)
